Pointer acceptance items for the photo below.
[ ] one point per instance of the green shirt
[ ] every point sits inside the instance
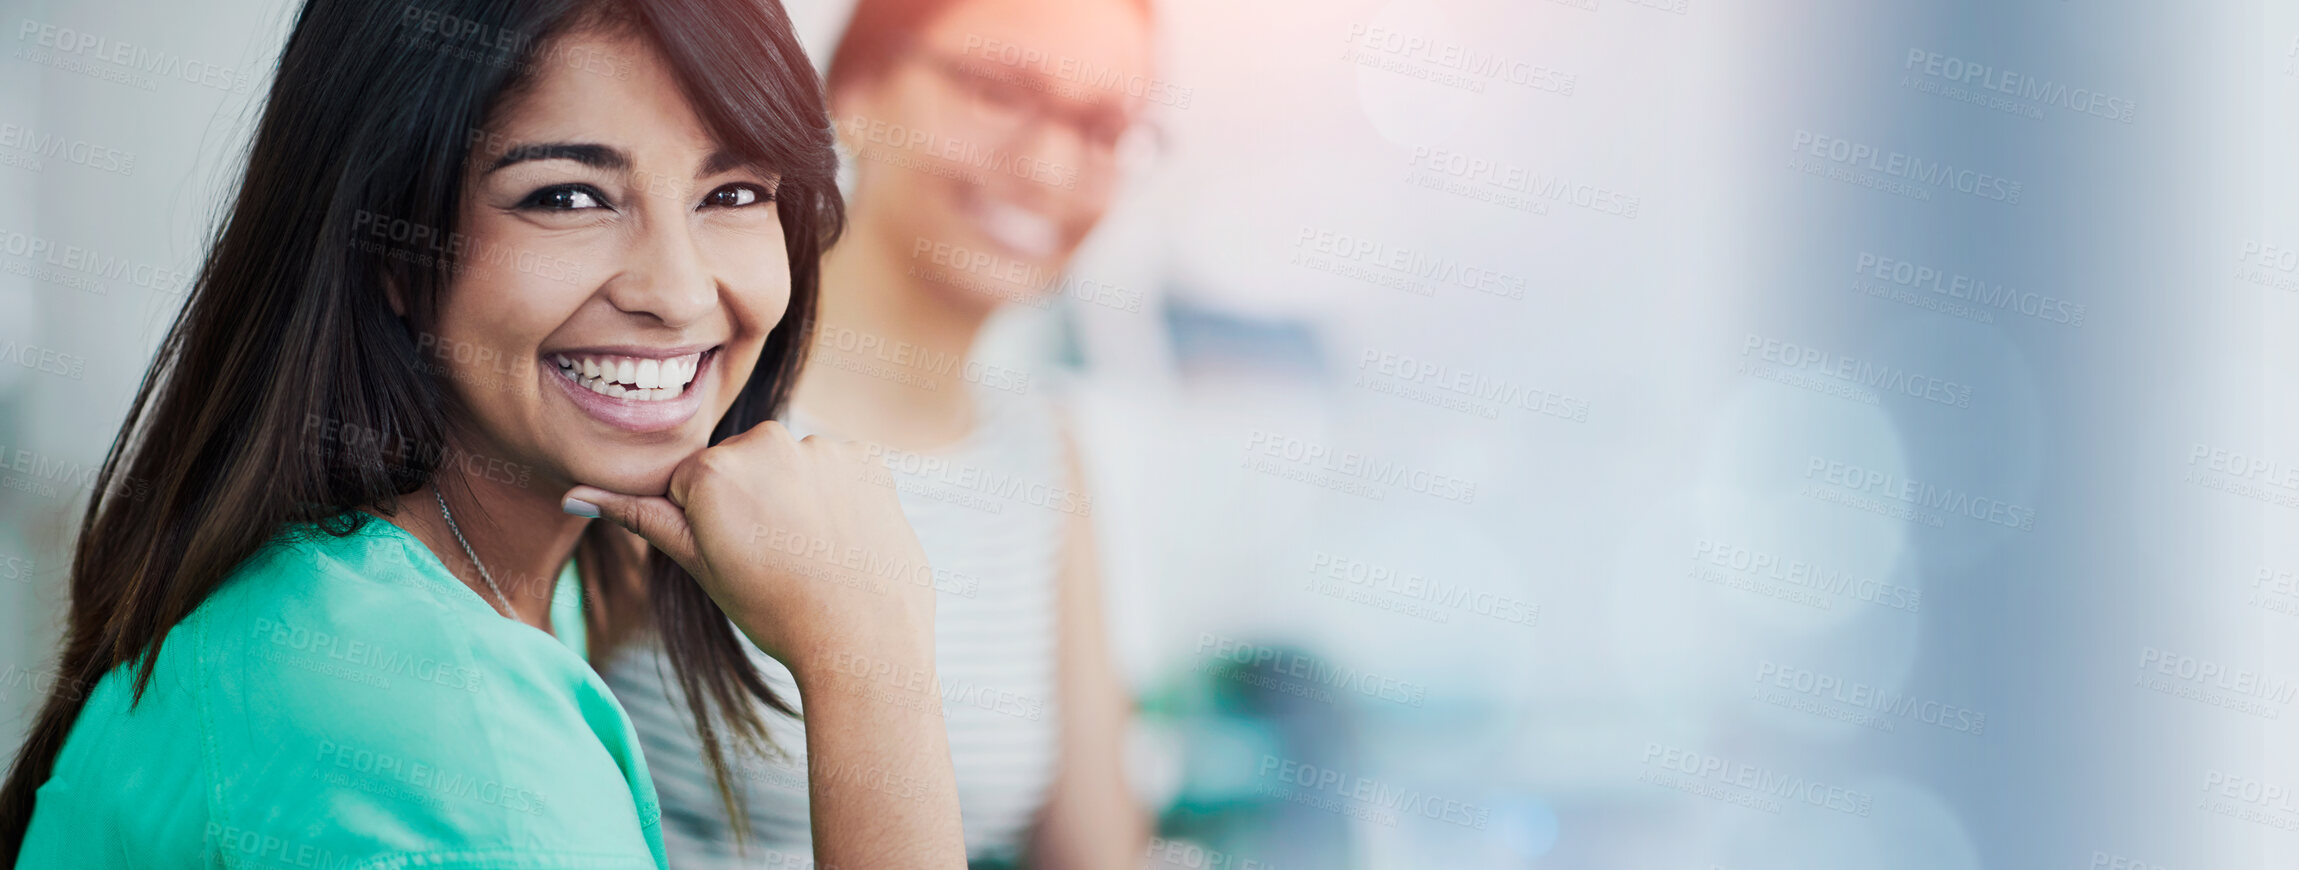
(345, 703)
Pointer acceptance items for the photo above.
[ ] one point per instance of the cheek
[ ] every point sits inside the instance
(755, 270)
(1084, 210)
(896, 195)
(493, 318)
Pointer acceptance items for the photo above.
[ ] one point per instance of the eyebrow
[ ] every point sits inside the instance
(588, 154)
(605, 157)
(721, 160)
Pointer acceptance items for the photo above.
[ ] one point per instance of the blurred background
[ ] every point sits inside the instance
(1547, 433)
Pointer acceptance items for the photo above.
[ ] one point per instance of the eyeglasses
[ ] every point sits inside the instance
(1003, 102)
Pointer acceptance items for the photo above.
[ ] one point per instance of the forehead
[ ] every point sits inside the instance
(1044, 35)
(605, 88)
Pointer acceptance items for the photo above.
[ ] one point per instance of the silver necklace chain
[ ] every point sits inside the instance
(483, 575)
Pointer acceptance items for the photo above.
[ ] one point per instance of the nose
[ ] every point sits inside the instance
(664, 276)
(1070, 170)
(1059, 153)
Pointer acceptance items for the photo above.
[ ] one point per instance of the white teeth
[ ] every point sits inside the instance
(635, 379)
(1021, 229)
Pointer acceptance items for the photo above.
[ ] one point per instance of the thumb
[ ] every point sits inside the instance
(654, 518)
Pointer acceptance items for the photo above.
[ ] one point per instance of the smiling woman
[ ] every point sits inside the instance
(496, 269)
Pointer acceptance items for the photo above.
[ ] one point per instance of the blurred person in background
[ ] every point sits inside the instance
(987, 137)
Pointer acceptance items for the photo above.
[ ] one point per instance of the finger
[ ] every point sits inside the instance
(766, 429)
(652, 517)
(838, 449)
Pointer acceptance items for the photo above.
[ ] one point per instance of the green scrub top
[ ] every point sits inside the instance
(347, 704)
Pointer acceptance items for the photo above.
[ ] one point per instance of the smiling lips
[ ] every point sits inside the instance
(636, 394)
(637, 379)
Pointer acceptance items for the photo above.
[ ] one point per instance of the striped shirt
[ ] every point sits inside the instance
(991, 513)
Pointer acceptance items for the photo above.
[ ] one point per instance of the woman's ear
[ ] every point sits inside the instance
(852, 99)
(398, 300)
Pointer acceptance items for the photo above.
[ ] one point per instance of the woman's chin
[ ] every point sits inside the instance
(628, 478)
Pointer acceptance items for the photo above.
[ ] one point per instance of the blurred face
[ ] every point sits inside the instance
(994, 141)
(620, 272)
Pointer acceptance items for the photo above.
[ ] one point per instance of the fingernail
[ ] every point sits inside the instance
(579, 507)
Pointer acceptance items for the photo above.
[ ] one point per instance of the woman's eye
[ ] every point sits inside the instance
(568, 197)
(1001, 94)
(737, 196)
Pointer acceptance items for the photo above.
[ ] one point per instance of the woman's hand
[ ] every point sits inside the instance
(814, 561)
(795, 543)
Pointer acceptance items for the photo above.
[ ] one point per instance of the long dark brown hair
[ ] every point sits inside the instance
(374, 115)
